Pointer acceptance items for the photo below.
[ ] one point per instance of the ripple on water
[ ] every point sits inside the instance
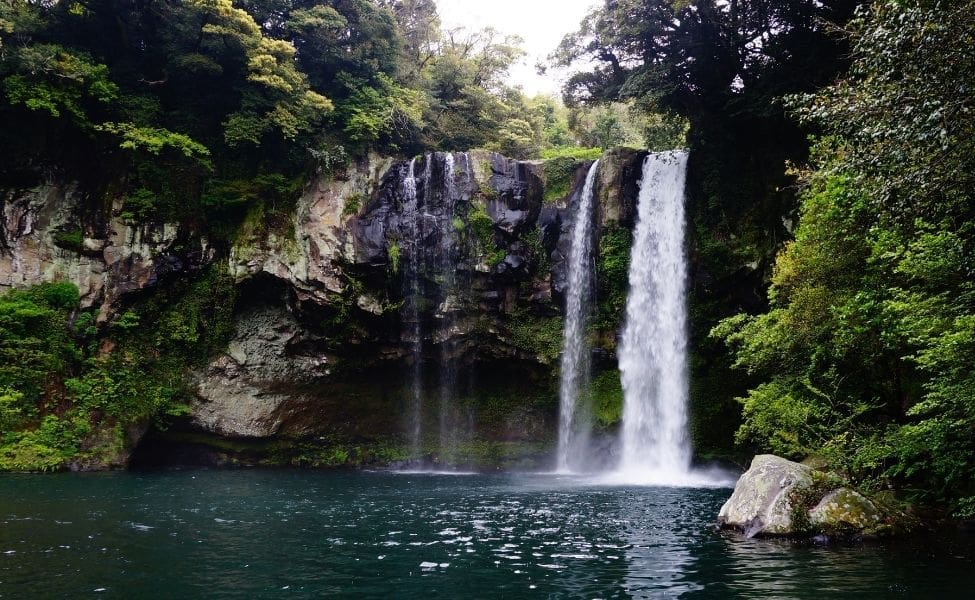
(376, 534)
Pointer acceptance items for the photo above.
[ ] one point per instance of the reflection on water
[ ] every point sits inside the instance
(299, 534)
(658, 555)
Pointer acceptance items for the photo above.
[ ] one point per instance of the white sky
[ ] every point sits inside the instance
(541, 24)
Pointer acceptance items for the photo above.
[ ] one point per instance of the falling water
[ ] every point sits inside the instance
(430, 270)
(652, 353)
(412, 307)
(573, 430)
(447, 272)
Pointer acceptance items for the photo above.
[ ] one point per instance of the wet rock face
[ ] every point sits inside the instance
(322, 303)
(518, 194)
(246, 392)
(621, 170)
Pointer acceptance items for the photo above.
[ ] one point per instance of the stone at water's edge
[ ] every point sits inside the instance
(760, 504)
(765, 497)
(845, 509)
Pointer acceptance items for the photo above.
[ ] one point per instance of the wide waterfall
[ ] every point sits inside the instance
(574, 427)
(653, 349)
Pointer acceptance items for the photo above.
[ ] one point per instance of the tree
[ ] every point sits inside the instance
(865, 353)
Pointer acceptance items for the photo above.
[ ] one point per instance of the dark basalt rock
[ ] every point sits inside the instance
(518, 198)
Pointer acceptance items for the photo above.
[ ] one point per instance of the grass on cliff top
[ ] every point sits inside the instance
(558, 170)
(574, 152)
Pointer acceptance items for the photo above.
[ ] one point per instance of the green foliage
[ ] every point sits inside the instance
(35, 343)
(559, 173)
(55, 80)
(606, 398)
(480, 226)
(70, 239)
(387, 112)
(577, 153)
(612, 276)
(13, 410)
(517, 139)
(140, 205)
(156, 139)
(903, 112)
(62, 400)
(539, 336)
(353, 204)
(606, 126)
(537, 254)
(866, 351)
(395, 255)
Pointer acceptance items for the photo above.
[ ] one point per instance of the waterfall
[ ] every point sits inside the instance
(652, 352)
(447, 258)
(574, 428)
(430, 256)
(411, 307)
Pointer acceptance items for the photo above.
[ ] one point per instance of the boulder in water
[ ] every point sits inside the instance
(778, 497)
(762, 501)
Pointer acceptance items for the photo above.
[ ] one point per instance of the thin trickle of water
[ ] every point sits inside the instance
(411, 307)
(447, 267)
(575, 368)
(653, 351)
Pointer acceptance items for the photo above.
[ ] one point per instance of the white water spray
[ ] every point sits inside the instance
(573, 434)
(653, 351)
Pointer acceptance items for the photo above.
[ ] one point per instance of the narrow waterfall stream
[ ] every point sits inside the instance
(447, 257)
(430, 264)
(653, 349)
(411, 308)
(573, 427)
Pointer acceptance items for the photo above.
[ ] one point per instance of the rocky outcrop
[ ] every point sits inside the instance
(44, 238)
(467, 253)
(309, 255)
(778, 497)
(846, 510)
(621, 170)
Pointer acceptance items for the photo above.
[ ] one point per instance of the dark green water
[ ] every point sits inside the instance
(291, 534)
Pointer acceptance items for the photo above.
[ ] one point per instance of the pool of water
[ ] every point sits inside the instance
(288, 534)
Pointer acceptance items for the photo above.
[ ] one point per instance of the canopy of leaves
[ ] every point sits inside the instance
(866, 351)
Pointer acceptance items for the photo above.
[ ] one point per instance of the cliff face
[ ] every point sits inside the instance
(401, 303)
(43, 238)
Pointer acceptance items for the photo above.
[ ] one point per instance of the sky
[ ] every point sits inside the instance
(541, 24)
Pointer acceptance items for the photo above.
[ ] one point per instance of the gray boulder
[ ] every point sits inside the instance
(778, 497)
(761, 503)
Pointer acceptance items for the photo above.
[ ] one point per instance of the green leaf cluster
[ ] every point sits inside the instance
(69, 391)
(865, 353)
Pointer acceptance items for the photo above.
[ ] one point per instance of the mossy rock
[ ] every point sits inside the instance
(845, 510)
(778, 497)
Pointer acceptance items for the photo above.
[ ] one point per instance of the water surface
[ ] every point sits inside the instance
(291, 534)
